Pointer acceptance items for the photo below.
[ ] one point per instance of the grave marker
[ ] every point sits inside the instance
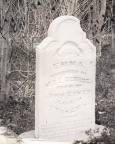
(65, 82)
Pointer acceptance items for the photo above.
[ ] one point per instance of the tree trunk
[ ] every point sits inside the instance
(113, 38)
(3, 69)
(113, 28)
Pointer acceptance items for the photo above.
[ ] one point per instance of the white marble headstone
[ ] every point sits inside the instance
(65, 82)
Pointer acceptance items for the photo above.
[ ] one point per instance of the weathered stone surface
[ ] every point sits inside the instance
(65, 82)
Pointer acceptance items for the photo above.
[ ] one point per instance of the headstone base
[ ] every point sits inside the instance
(29, 137)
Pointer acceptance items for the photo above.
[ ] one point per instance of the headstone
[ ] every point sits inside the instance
(65, 82)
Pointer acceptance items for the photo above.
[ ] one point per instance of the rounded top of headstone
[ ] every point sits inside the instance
(66, 28)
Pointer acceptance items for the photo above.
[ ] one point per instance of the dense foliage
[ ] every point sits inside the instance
(18, 114)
